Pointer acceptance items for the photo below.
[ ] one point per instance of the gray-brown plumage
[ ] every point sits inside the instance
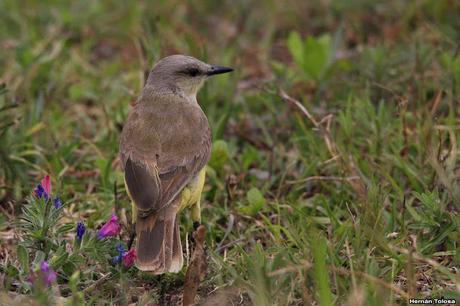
(164, 145)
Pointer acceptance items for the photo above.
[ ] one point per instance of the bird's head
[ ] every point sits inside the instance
(182, 74)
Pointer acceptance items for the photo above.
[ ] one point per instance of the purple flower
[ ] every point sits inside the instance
(48, 274)
(117, 259)
(129, 258)
(110, 229)
(121, 251)
(39, 192)
(57, 202)
(120, 248)
(81, 229)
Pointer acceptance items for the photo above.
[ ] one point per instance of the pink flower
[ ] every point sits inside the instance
(46, 184)
(129, 258)
(110, 229)
(44, 188)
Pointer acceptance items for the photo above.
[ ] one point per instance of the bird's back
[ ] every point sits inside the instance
(166, 129)
(170, 137)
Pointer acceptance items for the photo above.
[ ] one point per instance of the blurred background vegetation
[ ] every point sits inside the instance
(334, 177)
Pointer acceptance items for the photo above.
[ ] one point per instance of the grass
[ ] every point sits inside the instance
(334, 177)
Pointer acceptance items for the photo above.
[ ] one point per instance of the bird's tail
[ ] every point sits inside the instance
(158, 246)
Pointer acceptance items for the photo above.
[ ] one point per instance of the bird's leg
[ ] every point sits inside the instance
(196, 215)
(199, 230)
(196, 218)
(196, 208)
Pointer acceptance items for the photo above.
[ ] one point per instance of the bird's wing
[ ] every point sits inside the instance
(163, 145)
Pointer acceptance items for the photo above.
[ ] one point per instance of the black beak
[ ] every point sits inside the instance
(219, 70)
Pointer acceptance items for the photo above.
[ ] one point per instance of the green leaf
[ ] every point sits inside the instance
(316, 56)
(295, 46)
(256, 201)
(23, 258)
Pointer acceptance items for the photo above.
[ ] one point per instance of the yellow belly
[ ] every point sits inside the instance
(190, 195)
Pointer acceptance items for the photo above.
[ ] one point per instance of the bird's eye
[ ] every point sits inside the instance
(193, 72)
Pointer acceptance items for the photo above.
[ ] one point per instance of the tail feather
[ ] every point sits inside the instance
(158, 242)
(168, 242)
(177, 258)
(150, 244)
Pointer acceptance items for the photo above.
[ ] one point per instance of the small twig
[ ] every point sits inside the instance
(228, 230)
(436, 102)
(97, 283)
(289, 269)
(226, 246)
(299, 105)
(330, 143)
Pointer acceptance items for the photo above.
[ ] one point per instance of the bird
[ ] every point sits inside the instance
(165, 145)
